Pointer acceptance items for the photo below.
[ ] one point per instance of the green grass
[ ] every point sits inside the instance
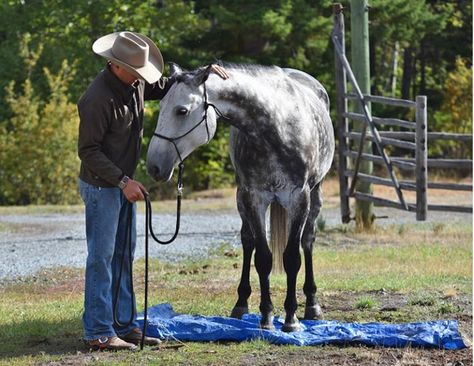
(424, 274)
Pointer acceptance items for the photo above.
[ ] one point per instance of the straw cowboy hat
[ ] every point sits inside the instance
(134, 52)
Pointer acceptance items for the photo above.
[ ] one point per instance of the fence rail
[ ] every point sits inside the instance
(381, 121)
(383, 100)
(414, 140)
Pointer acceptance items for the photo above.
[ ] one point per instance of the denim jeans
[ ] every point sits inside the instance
(106, 212)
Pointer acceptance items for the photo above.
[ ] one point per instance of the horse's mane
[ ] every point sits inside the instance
(250, 69)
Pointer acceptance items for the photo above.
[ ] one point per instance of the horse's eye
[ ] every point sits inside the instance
(181, 111)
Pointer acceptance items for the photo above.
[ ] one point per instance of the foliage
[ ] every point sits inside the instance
(414, 48)
(211, 163)
(290, 33)
(44, 169)
(455, 114)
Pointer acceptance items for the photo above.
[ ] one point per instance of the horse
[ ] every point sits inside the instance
(281, 146)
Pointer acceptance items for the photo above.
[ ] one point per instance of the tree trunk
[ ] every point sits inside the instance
(392, 81)
(376, 70)
(422, 86)
(407, 72)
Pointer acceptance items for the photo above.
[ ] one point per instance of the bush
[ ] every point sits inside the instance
(38, 159)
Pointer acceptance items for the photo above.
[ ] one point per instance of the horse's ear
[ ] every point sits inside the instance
(175, 69)
(202, 75)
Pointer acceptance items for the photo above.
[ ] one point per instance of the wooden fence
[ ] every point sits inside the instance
(413, 136)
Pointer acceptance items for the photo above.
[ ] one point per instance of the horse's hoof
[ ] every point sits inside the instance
(313, 312)
(239, 311)
(267, 323)
(292, 325)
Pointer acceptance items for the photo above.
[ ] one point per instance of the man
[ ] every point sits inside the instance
(110, 133)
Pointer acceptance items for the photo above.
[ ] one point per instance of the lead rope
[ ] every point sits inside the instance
(149, 229)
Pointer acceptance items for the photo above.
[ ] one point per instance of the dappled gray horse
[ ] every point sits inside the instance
(281, 146)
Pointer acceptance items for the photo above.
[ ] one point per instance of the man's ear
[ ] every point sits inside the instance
(202, 75)
(175, 69)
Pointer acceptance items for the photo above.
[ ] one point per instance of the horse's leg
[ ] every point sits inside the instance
(244, 290)
(312, 308)
(252, 207)
(297, 214)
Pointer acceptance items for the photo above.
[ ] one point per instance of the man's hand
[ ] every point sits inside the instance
(134, 191)
(219, 70)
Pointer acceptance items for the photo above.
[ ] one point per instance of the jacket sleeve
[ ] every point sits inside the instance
(95, 116)
(158, 90)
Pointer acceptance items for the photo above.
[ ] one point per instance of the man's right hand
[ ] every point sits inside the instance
(133, 191)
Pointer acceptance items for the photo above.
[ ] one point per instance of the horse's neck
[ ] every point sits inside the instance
(244, 101)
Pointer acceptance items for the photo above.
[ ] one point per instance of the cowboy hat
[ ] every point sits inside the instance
(134, 52)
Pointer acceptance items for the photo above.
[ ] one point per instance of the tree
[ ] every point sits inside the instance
(430, 35)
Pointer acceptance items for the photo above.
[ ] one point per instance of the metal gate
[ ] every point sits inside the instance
(412, 136)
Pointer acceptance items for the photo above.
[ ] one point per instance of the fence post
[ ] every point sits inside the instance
(360, 62)
(341, 108)
(421, 157)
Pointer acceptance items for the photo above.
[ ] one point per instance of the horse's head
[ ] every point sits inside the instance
(184, 123)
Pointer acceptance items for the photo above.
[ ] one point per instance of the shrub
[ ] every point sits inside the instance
(38, 158)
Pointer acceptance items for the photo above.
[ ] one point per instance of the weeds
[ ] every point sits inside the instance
(366, 303)
(449, 308)
(422, 300)
(321, 224)
(402, 229)
(438, 228)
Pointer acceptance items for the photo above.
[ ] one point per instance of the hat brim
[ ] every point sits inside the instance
(152, 70)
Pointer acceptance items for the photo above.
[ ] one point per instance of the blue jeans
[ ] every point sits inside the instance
(106, 212)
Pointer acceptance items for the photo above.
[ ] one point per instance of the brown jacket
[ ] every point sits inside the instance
(111, 127)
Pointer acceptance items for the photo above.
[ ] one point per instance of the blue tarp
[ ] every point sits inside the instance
(164, 323)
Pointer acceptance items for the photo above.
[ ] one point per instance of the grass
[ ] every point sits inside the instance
(393, 274)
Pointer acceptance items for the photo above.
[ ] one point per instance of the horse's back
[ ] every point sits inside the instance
(309, 82)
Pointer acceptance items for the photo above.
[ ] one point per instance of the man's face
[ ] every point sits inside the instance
(123, 74)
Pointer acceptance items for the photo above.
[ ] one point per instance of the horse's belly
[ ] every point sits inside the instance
(264, 171)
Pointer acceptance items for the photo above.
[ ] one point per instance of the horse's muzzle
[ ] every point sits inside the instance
(159, 174)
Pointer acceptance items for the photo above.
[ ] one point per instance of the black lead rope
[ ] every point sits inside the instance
(149, 229)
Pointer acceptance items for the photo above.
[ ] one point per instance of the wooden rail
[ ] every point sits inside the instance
(384, 100)
(382, 121)
(385, 141)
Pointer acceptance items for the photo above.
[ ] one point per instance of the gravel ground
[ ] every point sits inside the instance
(29, 243)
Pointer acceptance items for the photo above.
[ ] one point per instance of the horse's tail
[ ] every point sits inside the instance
(278, 235)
